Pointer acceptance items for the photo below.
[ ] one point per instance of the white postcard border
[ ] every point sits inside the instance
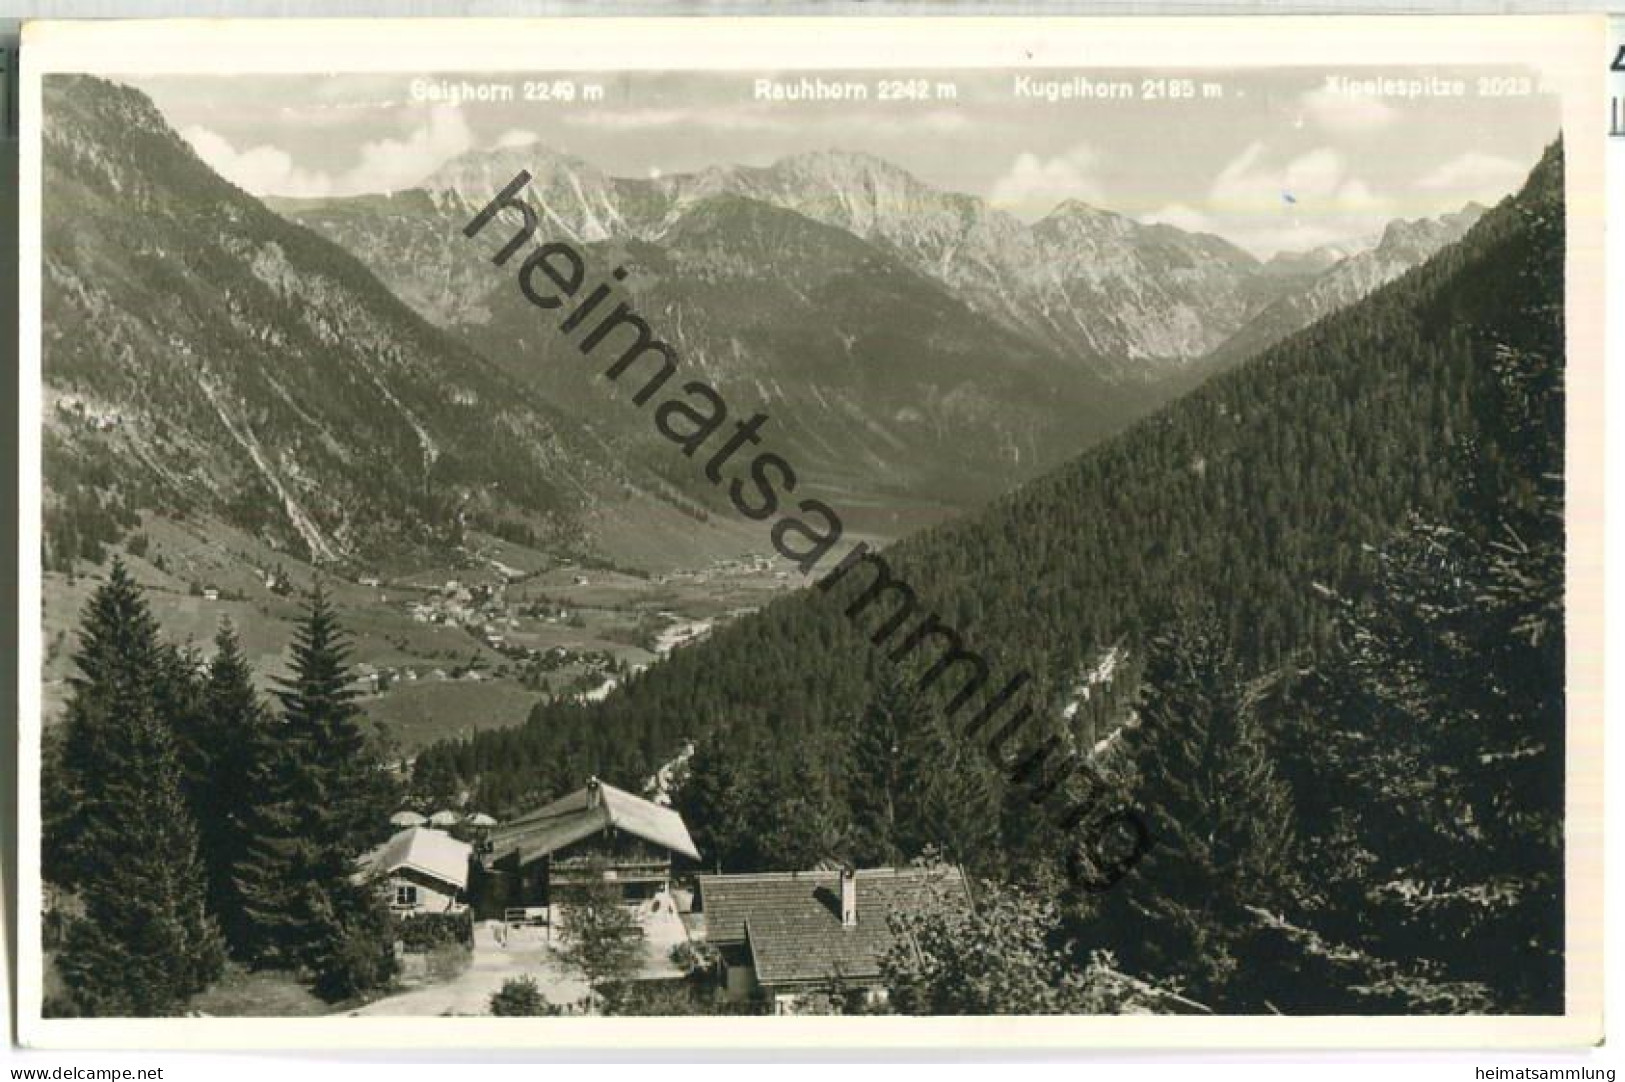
(1568, 50)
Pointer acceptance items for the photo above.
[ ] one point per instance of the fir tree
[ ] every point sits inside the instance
(914, 785)
(600, 938)
(319, 800)
(145, 941)
(882, 778)
(358, 934)
(352, 794)
(118, 653)
(755, 803)
(223, 743)
(1437, 775)
(716, 801)
(997, 957)
(1220, 819)
(799, 821)
(1433, 754)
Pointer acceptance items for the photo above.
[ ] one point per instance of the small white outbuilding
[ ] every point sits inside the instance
(421, 870)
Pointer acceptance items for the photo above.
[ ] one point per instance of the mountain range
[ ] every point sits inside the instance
(352, 377)
(920, 349)
(1251, 500)
(1103, 289)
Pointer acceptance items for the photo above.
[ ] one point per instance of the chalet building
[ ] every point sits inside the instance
(421, 871)
(788, 935)
(596, 833)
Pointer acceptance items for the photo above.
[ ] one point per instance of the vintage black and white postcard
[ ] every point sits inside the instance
(812, 532)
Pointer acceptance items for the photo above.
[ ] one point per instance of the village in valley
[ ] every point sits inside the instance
(439, 651)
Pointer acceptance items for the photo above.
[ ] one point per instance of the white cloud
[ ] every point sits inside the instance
(334, 114)
(1475, 175)
(762, 117)
(1307, 201)
(1319, 182)
(1181, 216)
(736, 118)
(518, 137)
(1317, 173)
(383, 165)
(263, 170)
(1348, 114)
(1033, 186)
(392, 164)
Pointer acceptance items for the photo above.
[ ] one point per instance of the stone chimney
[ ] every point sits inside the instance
(595, 793)
(849, 898)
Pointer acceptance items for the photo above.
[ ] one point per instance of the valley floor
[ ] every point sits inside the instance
(439, 651)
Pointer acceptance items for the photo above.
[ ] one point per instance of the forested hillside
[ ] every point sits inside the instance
(1243, 496)
(1305, 559)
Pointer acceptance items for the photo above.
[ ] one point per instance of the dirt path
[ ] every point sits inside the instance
(499, 957)
(470, 992)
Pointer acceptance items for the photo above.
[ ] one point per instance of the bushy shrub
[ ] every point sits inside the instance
(520, 997)
(653, 999)
(446, 961)
(695, 958)
(362, 959)
(423, 932)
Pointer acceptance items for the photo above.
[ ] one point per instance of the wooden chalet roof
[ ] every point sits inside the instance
(571, 818)
(791, 921)
(431, 852)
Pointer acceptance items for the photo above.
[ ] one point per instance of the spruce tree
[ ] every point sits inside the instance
(351, 793)
(1220, 819)
(717, 800)
(118, 652)
(914, 784)
(224, 740)
(882, 778)
(1433, 766)
(274, 876)
(1436, 775)
(128, 845)
(319, 800)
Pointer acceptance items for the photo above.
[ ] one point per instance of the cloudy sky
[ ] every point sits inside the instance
(1226, 165)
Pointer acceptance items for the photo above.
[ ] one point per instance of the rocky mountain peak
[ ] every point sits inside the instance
(479, 174)
(846, 166)
(1076, 208)
(1415, 239)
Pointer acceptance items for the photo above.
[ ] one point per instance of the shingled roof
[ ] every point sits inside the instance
(579, 815)
(792, 920)
(421, 849)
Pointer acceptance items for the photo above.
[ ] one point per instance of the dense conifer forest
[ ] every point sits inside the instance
(187, 821)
